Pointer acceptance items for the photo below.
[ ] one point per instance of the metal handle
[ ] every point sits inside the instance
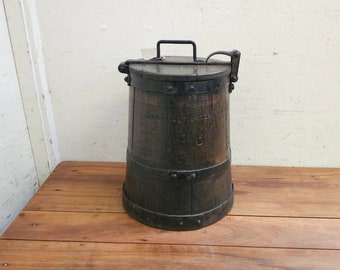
(194, 54)
(235, 62)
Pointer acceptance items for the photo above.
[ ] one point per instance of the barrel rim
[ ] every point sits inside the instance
(180, 70)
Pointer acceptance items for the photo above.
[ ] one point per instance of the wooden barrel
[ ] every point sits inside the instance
(178, 157)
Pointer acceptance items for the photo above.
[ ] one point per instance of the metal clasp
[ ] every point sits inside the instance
(182, 176)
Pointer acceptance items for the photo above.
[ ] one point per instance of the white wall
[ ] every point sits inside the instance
(284, 109)
(25, 40)
(18, 177)
(28, 144)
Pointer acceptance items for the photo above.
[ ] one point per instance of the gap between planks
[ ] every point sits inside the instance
(230, 231)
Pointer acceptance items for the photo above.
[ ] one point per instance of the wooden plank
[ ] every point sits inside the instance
(287, 172)
(295, 192)
(98, 204)
(262, 191)
(230, 231)
(85, 179)
(83, 255)
(74, 168)
(82, 186)
(248, 200)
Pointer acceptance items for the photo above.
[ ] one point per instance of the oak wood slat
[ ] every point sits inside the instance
(283, 218)
(79, 255)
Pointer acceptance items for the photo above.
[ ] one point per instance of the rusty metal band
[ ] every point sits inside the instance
(177, 175)
(179, 87)
(178, 222)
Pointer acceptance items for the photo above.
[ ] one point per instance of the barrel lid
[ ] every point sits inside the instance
(183, 68)
(179, 68)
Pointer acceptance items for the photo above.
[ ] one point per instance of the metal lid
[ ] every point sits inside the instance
(183, 68)
(174, 68)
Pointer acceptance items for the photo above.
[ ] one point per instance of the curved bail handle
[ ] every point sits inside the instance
(235, 62)
(194, 54)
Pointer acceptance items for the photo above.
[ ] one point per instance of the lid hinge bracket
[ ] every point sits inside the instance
(235, 62)
(124, 68)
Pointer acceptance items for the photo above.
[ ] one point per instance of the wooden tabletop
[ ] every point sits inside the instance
(283, 218)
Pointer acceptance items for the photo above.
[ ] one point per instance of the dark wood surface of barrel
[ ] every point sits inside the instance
(180, 132)
(178, 158)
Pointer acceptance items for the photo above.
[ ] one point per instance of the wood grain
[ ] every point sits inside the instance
(283, 218)
(79, 255)
(66, 203)
(230, 231)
